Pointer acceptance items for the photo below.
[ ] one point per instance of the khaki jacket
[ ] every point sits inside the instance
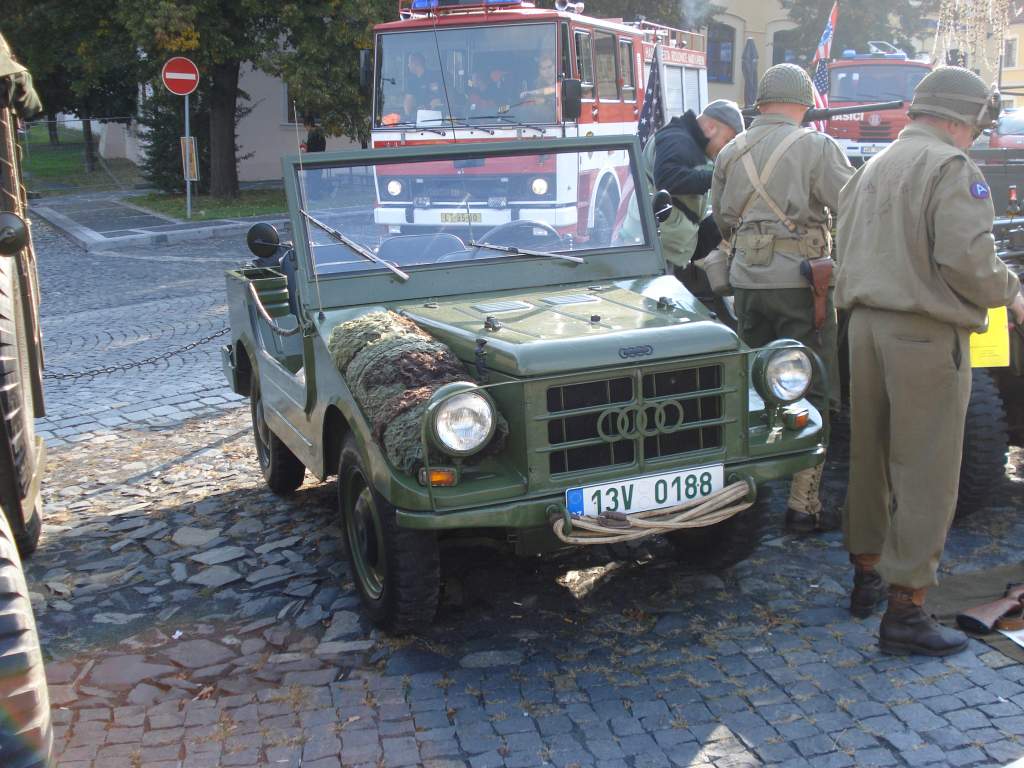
(804, 184)
(916, 234)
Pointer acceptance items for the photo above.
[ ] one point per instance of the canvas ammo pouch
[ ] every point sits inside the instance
(755, 249)
(716, 266)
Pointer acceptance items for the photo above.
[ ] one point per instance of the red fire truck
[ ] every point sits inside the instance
(488, 70)
(883, 74)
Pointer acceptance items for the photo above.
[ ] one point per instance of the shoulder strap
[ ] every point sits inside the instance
(758, 181)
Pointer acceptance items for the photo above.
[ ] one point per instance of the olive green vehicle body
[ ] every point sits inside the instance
(625, 319)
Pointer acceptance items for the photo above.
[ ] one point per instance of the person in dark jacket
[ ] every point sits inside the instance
(682, 164)
(315, 139)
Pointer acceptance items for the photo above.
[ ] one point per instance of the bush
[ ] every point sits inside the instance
(162, 117)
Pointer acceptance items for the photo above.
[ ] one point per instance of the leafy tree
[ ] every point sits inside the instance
(162, 116)
(894, 21)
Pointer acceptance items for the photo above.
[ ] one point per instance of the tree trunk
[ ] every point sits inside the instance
(90, 148)
(223, 162)
(51, 128)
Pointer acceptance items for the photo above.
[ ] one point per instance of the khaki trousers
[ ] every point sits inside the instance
(766, 314)
(910, 380)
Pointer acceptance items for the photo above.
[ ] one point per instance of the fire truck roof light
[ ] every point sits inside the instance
(427, 5)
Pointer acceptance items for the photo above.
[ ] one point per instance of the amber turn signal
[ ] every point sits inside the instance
(797, 419)
(438, 476)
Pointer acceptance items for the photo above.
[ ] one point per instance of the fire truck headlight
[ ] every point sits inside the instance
(539, 187)
(394, 187)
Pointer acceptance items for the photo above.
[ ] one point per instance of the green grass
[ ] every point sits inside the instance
(250, 202)
(60, 169)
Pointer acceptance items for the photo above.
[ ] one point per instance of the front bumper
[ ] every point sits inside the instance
(535, 512)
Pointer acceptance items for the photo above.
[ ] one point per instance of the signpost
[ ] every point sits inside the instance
(181, 77)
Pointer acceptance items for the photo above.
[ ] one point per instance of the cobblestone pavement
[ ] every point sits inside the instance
(193, 619)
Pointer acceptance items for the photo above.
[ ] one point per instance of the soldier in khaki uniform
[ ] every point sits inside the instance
(917, 271)
(772, 193)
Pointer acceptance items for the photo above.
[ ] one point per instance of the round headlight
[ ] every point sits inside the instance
(464, 423)
(539, 186)
(394, 187)
(788, 374)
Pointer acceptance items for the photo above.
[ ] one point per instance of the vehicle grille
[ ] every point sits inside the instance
(880, 132)
(607, 422)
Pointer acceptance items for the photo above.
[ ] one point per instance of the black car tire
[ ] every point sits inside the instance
(281, 469)
(26, 737)
(717, 547)
(396, 570)
(18, 411)
(986, 443)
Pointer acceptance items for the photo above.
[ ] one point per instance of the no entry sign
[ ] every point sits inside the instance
(180, 75)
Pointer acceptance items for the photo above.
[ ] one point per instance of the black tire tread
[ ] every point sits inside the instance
(717, 547)
(26, 736)
(284, 472)
(413, 560)
(986, 443)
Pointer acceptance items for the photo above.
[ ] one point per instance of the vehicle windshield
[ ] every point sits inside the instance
(496, 205)
(495, 75)
(875, 82)
(1011, 123)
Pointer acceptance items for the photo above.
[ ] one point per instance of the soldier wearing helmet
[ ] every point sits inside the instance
(918, 270)
(773, 192)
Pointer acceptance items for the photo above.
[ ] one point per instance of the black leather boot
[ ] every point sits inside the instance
(868, 587)
(906, 629)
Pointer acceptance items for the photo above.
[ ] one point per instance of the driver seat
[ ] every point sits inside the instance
(404, 250)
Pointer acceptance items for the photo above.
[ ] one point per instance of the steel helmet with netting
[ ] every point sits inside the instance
(955, 93)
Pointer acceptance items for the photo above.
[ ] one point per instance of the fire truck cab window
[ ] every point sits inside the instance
(875, 82)
(626, 70)
(484, 75)
(607, 80)
(585, 63)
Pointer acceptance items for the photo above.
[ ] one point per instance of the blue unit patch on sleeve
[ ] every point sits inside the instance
(574, 501)
(979, 190)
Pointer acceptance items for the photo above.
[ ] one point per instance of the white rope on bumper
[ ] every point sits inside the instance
(612, 529)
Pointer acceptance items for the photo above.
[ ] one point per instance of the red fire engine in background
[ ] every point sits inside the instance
(488, 70)
(882, 74)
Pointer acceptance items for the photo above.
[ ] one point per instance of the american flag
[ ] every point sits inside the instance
(820, 64)
(652, 116)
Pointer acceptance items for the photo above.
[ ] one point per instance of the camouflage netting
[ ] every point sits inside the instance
(393, 368)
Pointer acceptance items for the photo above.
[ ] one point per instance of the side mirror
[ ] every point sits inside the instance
(13, 234)
(263, 240)
(662, 205)
(572, 95)
(365, 70)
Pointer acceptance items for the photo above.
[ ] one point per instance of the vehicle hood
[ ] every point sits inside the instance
(545, 331)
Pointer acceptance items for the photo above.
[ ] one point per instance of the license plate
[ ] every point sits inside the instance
(461, 218)
(869, 150)
(640, 494)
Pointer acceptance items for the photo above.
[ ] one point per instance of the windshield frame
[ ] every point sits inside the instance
(378, 53)
(510, 272)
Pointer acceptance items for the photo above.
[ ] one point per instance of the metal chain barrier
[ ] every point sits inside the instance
(137, 363)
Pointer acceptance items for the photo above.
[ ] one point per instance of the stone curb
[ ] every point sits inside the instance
(91, 240)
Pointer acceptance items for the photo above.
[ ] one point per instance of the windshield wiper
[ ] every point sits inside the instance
(506, 119)
(363, 251)
(462, 121)
(406, 123)
(526, 251)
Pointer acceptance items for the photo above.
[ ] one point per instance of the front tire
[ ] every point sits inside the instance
(983, 465)
(396, 570)
(281, 469)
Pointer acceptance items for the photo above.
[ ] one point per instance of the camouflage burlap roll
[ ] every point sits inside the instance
(393, 368)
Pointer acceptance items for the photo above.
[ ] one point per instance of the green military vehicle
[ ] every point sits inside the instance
(454, 337)
(25, 734)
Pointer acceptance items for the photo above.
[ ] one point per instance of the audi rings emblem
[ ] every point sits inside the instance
(645, 420)
(641, 351)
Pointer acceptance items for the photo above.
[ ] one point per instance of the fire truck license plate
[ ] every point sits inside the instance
(461, 218)
(640, 494)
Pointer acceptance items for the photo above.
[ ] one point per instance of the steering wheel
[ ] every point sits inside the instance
(513, 233)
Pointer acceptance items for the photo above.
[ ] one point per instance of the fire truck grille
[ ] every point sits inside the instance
(472, 190)
(880, 132)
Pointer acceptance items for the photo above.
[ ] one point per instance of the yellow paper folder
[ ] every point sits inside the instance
(991, 349)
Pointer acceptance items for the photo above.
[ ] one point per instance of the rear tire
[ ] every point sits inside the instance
(396, 570)
(986, 443)
(28, 538)
(717, 547)
(281, 469)
(25, 735)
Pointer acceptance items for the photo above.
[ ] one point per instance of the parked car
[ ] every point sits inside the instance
(1008, 132)
(515, 373)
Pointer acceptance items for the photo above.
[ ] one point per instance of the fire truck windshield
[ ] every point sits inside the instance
(498, 74)
(875, 82)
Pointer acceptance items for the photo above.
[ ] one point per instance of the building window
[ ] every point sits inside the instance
(1010, 53)
(721, 52)
(784, 50)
